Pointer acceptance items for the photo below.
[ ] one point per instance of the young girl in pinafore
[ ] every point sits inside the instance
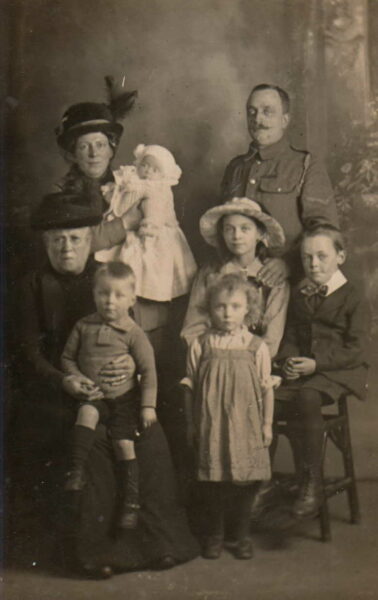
(229, 409)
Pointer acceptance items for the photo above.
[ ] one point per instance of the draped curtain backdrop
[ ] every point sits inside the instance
(194, 63)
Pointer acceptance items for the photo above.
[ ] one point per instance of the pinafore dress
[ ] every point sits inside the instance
(228, 415)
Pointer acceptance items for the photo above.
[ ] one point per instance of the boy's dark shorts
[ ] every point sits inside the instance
(120, 415)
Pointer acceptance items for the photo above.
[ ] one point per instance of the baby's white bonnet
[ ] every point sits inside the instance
(170, 168)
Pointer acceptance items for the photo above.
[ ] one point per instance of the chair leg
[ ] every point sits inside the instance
(325, 524)
(355, 515)
(297, 453)
(354, 505)
(339, 433)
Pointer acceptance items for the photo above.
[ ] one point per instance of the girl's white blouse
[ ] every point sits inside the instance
(238, 340)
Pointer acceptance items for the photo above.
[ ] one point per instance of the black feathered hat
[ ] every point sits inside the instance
(90, 117)
(62, 210)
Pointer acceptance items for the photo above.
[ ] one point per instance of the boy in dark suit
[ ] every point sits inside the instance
(322, 354)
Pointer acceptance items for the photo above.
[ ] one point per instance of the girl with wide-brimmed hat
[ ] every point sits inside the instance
(241, 232)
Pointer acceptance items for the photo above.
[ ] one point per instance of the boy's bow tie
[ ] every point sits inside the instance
(311, 290)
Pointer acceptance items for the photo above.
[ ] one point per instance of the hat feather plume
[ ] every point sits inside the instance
(120, 101)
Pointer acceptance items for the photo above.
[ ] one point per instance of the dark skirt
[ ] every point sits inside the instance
(90, 533)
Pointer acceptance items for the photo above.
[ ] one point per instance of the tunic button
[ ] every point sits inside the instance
(253, 181)
(279, 190)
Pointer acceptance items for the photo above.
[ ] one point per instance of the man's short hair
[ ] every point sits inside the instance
(285, 98)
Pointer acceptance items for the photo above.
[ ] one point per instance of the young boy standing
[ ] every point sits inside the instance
(322, 354)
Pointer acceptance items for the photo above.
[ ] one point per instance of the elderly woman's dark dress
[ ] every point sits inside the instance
(49, 304)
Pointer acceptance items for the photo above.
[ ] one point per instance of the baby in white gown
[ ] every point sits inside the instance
(158, 251)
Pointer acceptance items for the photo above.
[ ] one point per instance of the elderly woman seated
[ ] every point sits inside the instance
(49, 302)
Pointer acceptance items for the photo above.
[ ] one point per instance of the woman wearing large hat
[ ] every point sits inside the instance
(241, 233)
(88, 135)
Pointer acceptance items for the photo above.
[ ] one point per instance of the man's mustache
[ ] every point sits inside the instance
(258, 127)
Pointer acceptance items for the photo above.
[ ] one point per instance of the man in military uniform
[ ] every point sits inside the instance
(290, 184)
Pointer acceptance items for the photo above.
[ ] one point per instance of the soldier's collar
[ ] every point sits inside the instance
(269, 151)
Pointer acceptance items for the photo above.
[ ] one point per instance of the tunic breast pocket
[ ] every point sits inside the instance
(280, 198)
(278, 185)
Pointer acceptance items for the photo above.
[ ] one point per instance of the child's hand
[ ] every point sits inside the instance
(92, 392)
(302, 365)
(81, 388)
(148, 417)
(267, 434)
(276, 381)
(289, 370)
(131, 218)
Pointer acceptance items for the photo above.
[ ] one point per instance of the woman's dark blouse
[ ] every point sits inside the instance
(49, 305)
(76, 182)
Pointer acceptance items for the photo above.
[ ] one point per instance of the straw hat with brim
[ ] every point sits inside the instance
(64, 211)
(86, 117)
(274, 237)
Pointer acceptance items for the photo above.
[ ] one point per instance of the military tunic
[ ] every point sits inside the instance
(290, 184)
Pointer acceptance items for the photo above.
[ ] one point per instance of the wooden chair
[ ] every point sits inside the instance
(337, 430)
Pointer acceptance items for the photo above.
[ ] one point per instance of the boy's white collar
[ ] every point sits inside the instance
(334, 282)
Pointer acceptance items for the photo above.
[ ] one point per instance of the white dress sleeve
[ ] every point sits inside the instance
(193, 358)
(127, 190)
(263, 366)
(197, 318)
(274, 318)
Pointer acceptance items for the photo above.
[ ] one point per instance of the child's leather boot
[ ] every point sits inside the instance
(128, 518)
(213, 547)
(310, 496)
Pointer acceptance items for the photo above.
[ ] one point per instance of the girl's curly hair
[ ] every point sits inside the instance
(233, 282)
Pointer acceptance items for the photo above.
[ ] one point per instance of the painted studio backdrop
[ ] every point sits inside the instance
(194, 63)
